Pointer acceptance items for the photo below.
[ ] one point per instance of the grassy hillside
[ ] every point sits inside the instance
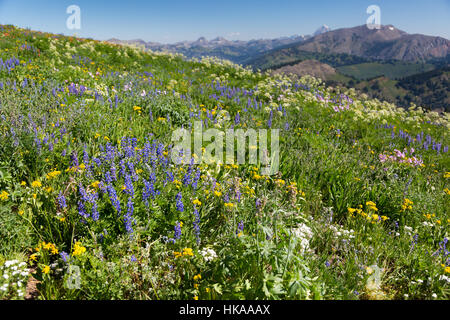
(291, 55)
(383, 88)
(429, 88)
(392, 70)
(400, 86)
(357, 210)
(308, 67)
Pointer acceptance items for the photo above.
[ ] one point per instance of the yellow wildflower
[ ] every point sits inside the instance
(4, 195)
(53, 174)
(95, 184)
(46, 269)
(407, 204)
(188, 252)
(78, 249)
(197, 277)
(36, 184)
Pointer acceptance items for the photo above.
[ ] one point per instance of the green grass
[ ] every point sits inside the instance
(394, 70)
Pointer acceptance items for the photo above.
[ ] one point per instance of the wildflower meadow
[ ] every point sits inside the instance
(92, 205)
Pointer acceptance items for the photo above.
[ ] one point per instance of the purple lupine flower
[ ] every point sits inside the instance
(188, 176)
(169, 177)
(108, 178)
(132, 170)
(64, 256)
(269, 123)
(147, 192)
(414, 242)
(128, 218)
(240, 227)
(258, 204)
(179, 202)
(123, 169)
(196, 179)
(82, 209)
(237, 119)
(113, 197)
(95, 213)
(177, 232)
(85, 156)
(74, 158)
(113, 172)
(129, 189)
(62, 201)
(97, 162)
(197, 224)
(83, 193)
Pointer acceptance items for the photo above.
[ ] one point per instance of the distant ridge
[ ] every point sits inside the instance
(387, 43)
(237, 51)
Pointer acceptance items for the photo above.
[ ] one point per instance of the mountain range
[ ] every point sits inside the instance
(387, 43)
(386, 63)
(237, 51)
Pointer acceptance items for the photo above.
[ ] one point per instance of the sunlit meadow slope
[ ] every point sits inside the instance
(358, 209)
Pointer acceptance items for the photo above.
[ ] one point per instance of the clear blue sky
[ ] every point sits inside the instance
(170, 21)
